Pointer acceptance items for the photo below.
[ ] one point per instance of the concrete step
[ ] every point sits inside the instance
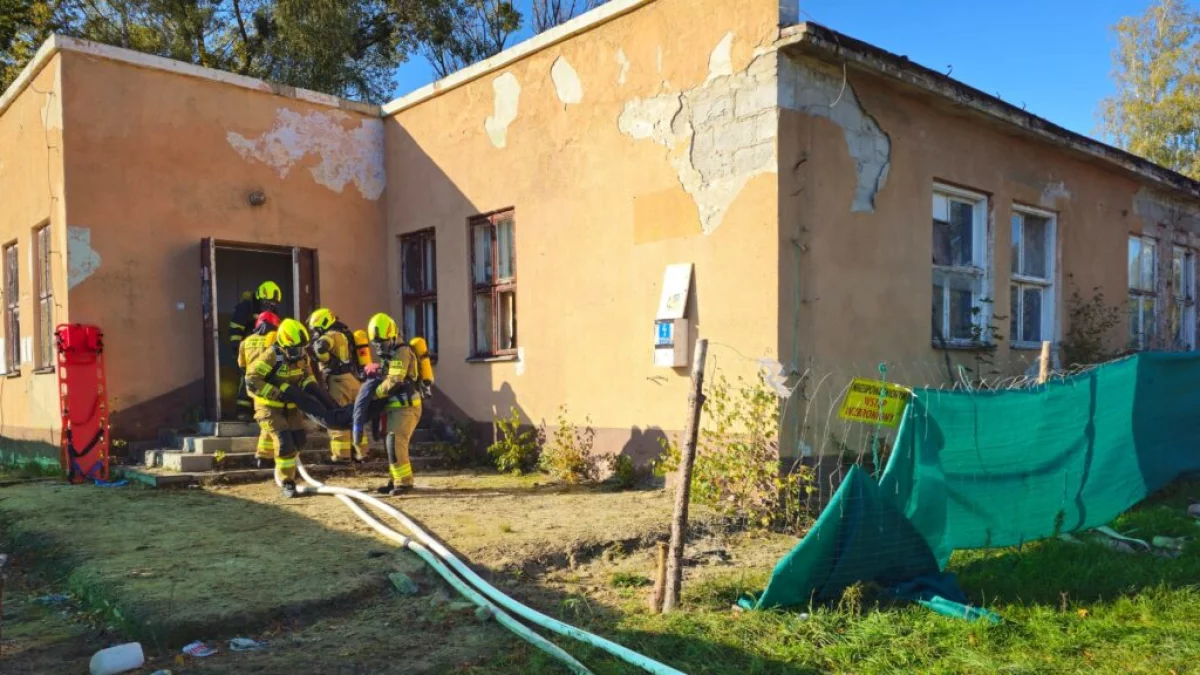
(160, 478)
(214, 436)
(186, 462)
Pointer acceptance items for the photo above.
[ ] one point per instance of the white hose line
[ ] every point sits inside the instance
(492, 593)
(471, 594)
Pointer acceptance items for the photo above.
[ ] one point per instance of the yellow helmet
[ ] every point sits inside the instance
(291, 334)
(269, 290)
(320, 320)
(382, 330)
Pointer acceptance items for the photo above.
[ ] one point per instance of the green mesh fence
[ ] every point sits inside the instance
(995, 469)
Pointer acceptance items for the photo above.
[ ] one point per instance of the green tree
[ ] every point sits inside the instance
(549, 13)
(344, 47)
(453, 34)
(1156, 110)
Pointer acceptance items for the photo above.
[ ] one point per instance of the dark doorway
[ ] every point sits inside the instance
(228, 272)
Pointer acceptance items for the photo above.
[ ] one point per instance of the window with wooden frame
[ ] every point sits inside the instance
(45, 293)
(12, 310)
(418, 287)
(1183, 296)
(961, 270)
(493, 285)
(1143, 291)
(1032, 292)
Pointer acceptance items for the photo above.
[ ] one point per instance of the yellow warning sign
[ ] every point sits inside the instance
(875, 402)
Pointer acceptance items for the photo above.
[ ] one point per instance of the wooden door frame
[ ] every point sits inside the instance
(208, 302)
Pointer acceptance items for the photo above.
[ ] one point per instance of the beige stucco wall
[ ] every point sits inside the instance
(158, 160)
(862, 279)
(31, 180)
(646, 141)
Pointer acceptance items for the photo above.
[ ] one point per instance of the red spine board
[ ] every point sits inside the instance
(83, 402)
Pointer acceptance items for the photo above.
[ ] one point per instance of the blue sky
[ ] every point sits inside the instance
(1053, 56)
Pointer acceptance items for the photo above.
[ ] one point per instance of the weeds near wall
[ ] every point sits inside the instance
(1090, 322)
(568, 454)
(459, 450)
(623, 471)
(516, 447)
(737, 468)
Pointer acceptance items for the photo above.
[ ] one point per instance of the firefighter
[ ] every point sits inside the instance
(261, 339)
(245, 315)
(400, 386)
(333, 348)
(277, 371)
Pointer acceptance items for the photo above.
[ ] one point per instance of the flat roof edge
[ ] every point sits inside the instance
(61, 43)
(821, 42)
(583, 23)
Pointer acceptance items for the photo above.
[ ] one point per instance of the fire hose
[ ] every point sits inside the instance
(478, 591)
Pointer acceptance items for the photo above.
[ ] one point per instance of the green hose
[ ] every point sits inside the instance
(471, 594)
(493, 594)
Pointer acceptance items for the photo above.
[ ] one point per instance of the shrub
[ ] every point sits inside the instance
(516, 448)
(459, 451)
(1090, 323)
(737, 468)
(568, 455)
(624, 473)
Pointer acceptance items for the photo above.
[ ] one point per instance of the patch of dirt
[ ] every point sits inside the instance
(506, 524)
(42, 633)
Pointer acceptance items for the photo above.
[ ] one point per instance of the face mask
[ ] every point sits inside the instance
(293, 354)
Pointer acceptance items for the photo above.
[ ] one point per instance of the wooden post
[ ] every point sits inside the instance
(1044, 363)
(686, 461)
(660, 578)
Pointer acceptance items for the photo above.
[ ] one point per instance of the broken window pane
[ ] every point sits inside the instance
(1148, 272)
(482, 235)
(1035, 234)
(483, 323)
(1031, 314)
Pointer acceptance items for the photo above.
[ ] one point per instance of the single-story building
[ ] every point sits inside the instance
(803, 200)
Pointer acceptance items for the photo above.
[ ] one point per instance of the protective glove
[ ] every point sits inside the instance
(426, 390)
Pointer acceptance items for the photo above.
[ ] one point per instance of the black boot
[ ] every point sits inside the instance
(401, 490)
(261, 463)
(386, 489)
(289, 489)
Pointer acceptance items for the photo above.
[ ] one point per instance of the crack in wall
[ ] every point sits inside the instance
(823, 91)
(348, 155)
(719, 134)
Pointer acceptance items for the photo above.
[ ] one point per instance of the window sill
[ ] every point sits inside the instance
(961, 346)
(13, 375)
(1030, 346)
(492, 359)
(45, 370)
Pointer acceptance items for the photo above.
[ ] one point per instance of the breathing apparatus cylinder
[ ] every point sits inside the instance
(424, 364)
(362, 348)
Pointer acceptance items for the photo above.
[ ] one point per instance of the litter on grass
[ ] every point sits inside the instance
(199, 650)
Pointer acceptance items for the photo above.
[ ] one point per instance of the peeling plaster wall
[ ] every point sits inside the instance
(155, 162)
(718, 135)
(506, 93)
(648, 140)
(346, 153)
(855, 284)
(31, 179)
(821, 90)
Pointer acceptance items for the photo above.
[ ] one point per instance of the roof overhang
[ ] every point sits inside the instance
(814, 40)
(61, 43)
